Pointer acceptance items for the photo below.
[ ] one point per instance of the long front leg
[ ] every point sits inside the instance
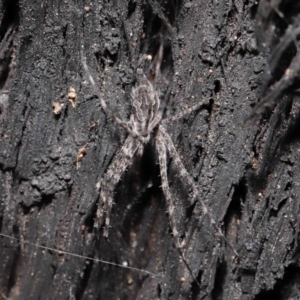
(104, 106)
(184, 113)
(119, 164)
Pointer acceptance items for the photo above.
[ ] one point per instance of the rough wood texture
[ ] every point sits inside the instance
(53, 156)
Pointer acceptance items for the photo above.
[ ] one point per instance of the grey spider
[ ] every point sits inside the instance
(145, 124)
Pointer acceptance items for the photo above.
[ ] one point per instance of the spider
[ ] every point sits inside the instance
(144, 125)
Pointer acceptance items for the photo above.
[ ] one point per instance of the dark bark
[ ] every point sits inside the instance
(246, 172)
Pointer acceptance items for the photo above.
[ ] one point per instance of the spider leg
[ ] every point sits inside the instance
(118, 166)
(104, 106)
(162, 156)
(183, 173)
(183, 113)
(156, 120)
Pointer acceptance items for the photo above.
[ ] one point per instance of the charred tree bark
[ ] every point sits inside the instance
(56, 143)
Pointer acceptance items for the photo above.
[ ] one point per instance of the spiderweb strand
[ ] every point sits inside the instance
(78, 255)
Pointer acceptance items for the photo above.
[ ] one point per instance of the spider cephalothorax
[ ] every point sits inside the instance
(145, 105)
